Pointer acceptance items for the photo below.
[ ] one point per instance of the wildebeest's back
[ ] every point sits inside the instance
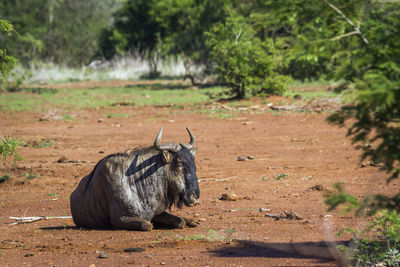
(89, 201)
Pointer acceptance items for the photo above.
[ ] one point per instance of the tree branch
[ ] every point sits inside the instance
(356, 28)
(344, 35)
(237, 37)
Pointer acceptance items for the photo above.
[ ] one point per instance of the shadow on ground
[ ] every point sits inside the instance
(322, 252)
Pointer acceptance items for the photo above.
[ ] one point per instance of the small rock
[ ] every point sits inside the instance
(100, 120)
(202, 219)
(289, 215)
(229, 197)
(242, 158)
(101, 152)
(317, 187)
(63, 159)
(162, 263)
(138, 249)
(103, 256)
(371, 163)
(29, 255)
(149, 256)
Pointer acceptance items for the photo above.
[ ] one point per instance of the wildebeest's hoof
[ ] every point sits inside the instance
(180, 224)
(146, 226)
(191, 223)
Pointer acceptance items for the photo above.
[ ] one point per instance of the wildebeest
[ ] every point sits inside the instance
(133, 190)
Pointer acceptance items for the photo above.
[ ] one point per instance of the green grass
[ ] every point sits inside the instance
(118, 115)
(281, 176)
(40, 143)
(72, 99)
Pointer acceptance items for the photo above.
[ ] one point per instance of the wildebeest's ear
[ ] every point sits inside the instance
(167, 156)
(193, 151)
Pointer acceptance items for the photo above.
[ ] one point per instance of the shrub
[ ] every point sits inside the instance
(378, 243)
(247, 64)
(8, 148)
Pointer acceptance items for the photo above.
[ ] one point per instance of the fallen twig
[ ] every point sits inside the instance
(20, 220)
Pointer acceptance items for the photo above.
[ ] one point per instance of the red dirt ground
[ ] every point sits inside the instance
(231, 233)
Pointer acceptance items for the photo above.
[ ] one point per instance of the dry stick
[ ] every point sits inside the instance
(20, 220)
(356, 28)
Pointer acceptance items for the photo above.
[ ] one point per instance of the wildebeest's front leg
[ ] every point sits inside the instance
(169, 220)
(131, 223)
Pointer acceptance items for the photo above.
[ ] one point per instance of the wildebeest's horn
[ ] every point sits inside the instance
(192, 139)
(171, 147)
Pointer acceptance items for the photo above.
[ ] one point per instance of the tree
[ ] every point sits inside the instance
(184, 25)
(163, 29)
(6, 61)
(64, 32)
(365, 57)
(242, 60)
(372, 72)
(134, 29)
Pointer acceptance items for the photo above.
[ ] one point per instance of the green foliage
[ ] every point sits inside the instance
(371, 72)
(184, 24)
(64, 32)
(243, 60)
(30, 177)
(378, 243)
(133, 29)
(8, 148)
(335, 198)
(163, 29)
(281, 176)
(4, 178)
(6, 61)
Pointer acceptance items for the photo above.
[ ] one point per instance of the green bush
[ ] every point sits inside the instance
(8, 148)
(243, 61)
(378, 243)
